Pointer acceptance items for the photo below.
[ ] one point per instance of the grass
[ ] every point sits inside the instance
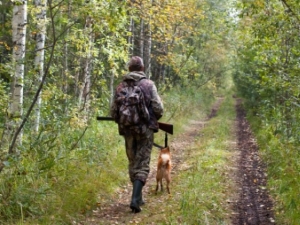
(202, 190)
(283, 164)
(73, 186)
(75, 182)
(63, 187)
(208, 184)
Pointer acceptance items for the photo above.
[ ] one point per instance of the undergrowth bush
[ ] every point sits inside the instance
(54, 180)
(283, 166)
(64, 171)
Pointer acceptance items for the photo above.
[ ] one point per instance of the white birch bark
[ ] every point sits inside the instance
(40, 52)
(19, 22)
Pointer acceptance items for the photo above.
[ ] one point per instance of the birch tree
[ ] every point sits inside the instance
(19, 23)
(40, 52)
(15, 110)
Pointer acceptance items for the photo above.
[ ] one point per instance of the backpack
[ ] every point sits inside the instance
(131, 107)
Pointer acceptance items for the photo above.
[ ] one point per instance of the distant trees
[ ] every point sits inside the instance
(40, 37)
(81, 47)
(268, 64)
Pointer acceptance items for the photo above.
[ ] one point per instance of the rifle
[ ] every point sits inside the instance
(168, 128)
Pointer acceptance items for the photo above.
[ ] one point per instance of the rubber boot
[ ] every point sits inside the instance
(141, 201)
(136, 196)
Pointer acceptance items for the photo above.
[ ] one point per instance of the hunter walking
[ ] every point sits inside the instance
(136, 108)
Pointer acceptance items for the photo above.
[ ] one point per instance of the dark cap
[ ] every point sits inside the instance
(136, 61)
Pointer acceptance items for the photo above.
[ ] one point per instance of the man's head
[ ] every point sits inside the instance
(136, 64)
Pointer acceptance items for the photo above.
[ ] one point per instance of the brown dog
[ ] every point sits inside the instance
(163, 169)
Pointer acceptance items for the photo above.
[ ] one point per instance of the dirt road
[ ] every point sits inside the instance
(253, 207)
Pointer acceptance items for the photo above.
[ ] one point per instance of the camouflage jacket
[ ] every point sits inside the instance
(152, 100)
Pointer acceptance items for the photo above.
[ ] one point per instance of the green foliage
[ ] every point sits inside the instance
(5, 40)
(3, 102)
(52, 180)
(61, 177)
(282, 160)
(267, 76)
(72, 153)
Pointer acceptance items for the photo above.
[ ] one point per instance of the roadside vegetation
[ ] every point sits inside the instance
(59, 64)
(70, 187)
(267, 77)
(282, 159)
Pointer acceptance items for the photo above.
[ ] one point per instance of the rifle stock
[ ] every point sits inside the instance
(163, 126)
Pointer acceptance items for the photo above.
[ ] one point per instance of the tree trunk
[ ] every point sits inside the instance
(40, 52)
(147, 48)
(65, 71)
(131, 36)
(111, 88)
(15, 111)
(141, 38)
(147, 51)
(86, 85)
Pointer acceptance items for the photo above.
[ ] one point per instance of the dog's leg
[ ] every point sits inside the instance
(158, 178)
(168, 179)
(156, 185)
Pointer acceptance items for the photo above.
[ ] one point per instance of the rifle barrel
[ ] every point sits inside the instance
(105, 118)
(163, 126)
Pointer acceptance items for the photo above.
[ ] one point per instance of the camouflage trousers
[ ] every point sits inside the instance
(138, 150)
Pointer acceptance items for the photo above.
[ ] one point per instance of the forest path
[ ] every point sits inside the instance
(253, 207)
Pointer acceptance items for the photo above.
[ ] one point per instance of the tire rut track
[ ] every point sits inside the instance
(254, 206)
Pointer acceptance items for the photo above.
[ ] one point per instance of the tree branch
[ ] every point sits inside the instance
(290, 9)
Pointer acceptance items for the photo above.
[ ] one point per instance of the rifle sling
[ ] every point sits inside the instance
(158, 146)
